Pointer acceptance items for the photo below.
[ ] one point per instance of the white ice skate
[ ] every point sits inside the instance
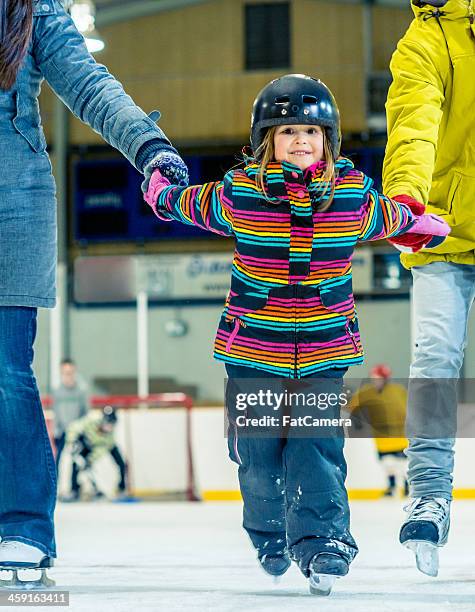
(425, 531)
(17, 557)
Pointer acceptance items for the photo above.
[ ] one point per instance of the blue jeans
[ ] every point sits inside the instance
(293, 488)
(442, 296)
(59, 443)
(27, 467)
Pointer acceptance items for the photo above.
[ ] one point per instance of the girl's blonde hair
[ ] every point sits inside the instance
(266, 153)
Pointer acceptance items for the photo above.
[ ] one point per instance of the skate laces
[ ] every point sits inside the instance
(428, 508)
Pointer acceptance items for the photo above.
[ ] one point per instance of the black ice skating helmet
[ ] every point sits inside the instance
(109, 415)
(296, 99)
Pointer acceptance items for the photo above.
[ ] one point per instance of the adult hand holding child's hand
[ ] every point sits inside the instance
(170, 165)
(156, 185)
(426, 232)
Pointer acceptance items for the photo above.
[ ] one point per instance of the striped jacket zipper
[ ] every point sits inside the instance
(296, 374)
(232, 336)
(352, 335)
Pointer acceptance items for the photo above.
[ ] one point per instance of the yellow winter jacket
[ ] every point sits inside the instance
(430, 153)
(385, 411)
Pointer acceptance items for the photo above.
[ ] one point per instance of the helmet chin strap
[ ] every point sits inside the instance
(434, 3)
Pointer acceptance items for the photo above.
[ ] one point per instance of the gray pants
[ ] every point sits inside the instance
(443, 294)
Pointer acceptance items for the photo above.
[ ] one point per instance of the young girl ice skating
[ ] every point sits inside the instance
(296, 211)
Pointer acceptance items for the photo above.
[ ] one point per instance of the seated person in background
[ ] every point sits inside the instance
(382, 405)
(90, 438)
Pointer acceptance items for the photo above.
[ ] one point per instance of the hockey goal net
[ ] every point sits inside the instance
(154, 435)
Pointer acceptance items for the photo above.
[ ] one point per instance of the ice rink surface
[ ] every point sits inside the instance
(195, 556)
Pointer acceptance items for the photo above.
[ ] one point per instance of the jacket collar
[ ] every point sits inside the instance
(453, 9)
(278, 174)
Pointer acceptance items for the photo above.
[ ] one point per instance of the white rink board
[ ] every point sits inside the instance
(214, 471)
(154, 441)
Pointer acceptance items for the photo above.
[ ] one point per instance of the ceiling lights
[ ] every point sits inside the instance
(83, 13)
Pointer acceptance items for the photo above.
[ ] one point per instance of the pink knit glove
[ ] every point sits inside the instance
(427, 232)
(429, 224)
(155, 187)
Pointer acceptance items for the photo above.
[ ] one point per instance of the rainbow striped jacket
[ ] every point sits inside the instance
(290, 309)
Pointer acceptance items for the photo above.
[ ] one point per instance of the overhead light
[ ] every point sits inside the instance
(83, 13)
(94, 42)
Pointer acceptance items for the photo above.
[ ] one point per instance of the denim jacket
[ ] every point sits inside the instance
(57, 53)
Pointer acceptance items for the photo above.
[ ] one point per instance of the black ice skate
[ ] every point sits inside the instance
(425, 530)
(15, 557)
(324, 569)
(275, 565)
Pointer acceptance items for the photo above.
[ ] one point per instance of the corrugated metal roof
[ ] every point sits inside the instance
(103, 4)
(110, 11)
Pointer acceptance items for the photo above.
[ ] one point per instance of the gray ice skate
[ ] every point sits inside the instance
(324, 569)
(426, 530)
(17, 557)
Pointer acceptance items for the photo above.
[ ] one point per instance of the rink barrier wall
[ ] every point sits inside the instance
(182, 450)
(134, 447)
(353, 494)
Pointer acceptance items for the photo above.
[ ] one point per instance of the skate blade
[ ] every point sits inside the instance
(17, 584)
(427, 556)
(321, 584)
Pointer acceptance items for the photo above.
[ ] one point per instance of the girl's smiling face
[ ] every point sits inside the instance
(301, 145)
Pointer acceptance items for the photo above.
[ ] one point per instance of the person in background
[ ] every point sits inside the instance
(70, 403)
(90, 438)
(382, 405)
